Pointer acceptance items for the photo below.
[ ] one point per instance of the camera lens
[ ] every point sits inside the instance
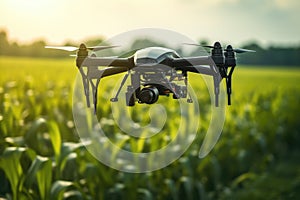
(149, 95)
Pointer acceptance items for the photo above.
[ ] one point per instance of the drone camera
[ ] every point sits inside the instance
(148, 95)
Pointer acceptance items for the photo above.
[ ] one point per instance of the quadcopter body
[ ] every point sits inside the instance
(151, 77)
(154, 71)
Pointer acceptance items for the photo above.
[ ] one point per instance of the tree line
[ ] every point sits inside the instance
(272, 55)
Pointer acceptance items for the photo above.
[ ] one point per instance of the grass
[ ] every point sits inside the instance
(40, 157)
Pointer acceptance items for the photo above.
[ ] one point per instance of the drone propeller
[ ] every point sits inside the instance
(64, 48)
(238, 50)
(82, 46)
(229, 48)
(99, 48)
(198, 45)
(218, 45)
(207, 46)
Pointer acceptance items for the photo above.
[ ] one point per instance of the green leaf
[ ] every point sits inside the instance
(171, 185)
(14, 141)
(41, 172)
(55, 137)
(31, 136)
(145, 194)
(11, 165)
(58, 189)
(242, 178)
(70, 169)
(73, 194)
(188, 186)
(67, 148)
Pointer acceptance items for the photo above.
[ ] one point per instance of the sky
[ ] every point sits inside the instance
(234, 21)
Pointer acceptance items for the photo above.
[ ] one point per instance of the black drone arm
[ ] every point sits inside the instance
(196, 69)
(192, 61)
(113, 62)
(195, 65)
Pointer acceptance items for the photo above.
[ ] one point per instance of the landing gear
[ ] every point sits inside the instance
(130, 96)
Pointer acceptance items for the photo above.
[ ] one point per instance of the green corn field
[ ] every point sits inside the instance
(41, 157)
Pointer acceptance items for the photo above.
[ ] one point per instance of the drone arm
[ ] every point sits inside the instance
(114, 62)
(228, 83)
(86, 86)
(95, 93)
(192, 61)
(194, 64)
(196, 69)
(113, 71)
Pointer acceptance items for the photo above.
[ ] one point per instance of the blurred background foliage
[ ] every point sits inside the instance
(257, 156)
(267, 56)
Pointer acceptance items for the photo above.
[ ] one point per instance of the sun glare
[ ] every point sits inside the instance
(28, 5)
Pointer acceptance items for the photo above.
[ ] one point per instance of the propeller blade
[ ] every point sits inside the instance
(198, 45)
(238, 50)
(99, 48)
(243, 50)
(111, 57)
(208, 46)
(64, 48)
(70, 48)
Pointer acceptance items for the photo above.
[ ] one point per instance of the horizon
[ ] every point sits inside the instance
(91, 38)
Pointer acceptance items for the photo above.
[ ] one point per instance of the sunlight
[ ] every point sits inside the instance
(27, 6)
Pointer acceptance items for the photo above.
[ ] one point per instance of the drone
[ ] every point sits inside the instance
(154, 71)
